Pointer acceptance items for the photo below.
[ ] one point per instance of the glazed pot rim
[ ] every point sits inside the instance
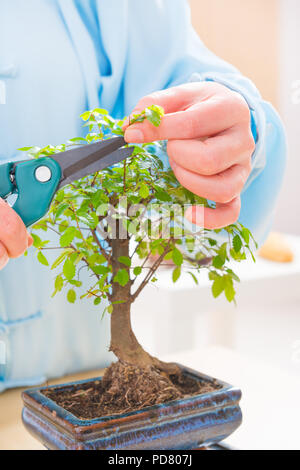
(35, 399)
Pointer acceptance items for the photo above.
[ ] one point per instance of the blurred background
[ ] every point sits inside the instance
(261, 38)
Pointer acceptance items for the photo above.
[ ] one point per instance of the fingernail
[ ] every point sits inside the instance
(134, 136)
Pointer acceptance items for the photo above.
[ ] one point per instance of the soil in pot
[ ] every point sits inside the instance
(125, 388)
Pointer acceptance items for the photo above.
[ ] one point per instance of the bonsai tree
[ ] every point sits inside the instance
(122, 224)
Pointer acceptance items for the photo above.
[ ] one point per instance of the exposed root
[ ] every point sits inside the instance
(126, 388)
(168, 368)
(131, 387)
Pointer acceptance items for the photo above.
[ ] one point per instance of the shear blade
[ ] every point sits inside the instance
(88, 159)
(105, 162)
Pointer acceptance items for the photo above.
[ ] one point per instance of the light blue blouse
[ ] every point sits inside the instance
(57, 59)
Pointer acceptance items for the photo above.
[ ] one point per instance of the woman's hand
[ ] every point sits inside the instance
(14, 238)
(210, 145)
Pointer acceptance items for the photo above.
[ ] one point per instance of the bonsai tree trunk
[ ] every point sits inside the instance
(123, 340)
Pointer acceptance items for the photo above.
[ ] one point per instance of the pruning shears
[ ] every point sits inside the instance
(36, 181)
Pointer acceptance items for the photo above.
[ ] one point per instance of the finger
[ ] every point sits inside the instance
(175, 98)
(172, 100)
(13, 233)
(180, 97)
(200, 120)
(222, 187)
(220, 217)
(213, 155)
(30, 240)
(4, 258)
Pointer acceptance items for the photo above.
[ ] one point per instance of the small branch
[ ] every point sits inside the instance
(93, 294)
(143, 266)
(151, 272)
(94, 179)
(78, 227)
(103, 252)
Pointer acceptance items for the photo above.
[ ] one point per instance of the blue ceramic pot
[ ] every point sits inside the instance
(183, 424)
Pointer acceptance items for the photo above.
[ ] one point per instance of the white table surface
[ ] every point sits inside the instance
(270, 402)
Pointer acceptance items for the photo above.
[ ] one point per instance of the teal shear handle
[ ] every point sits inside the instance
(34, 182)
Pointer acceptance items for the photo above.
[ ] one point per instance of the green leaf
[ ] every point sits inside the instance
(96, 258)
(99, 197)
(100, 270)
(97, 301)
(78, 139)
(102, 209)
(69, 269)
(60, 259)
(122, 277)
(154, 114)
(75, 283)
(125, 260)
(40, 226)
(63, 227)
(68, 236)
(168, 256)
(101, 111)
(86, 116)
(37, 242)
(61, 208)
(144, 191)
(110, 309)
(194, 277)
(218, 262)
(137, 270)
(229, 289)
(25, 149)
(218, 287)
(177, 257)
(42, 259)
(233, 275)
(223, 251)
(71, 296)
(246, 235)
(162, 195)
(237, 243)
(176, 274)
(237, 256)
(59, 283)
(78, 258)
